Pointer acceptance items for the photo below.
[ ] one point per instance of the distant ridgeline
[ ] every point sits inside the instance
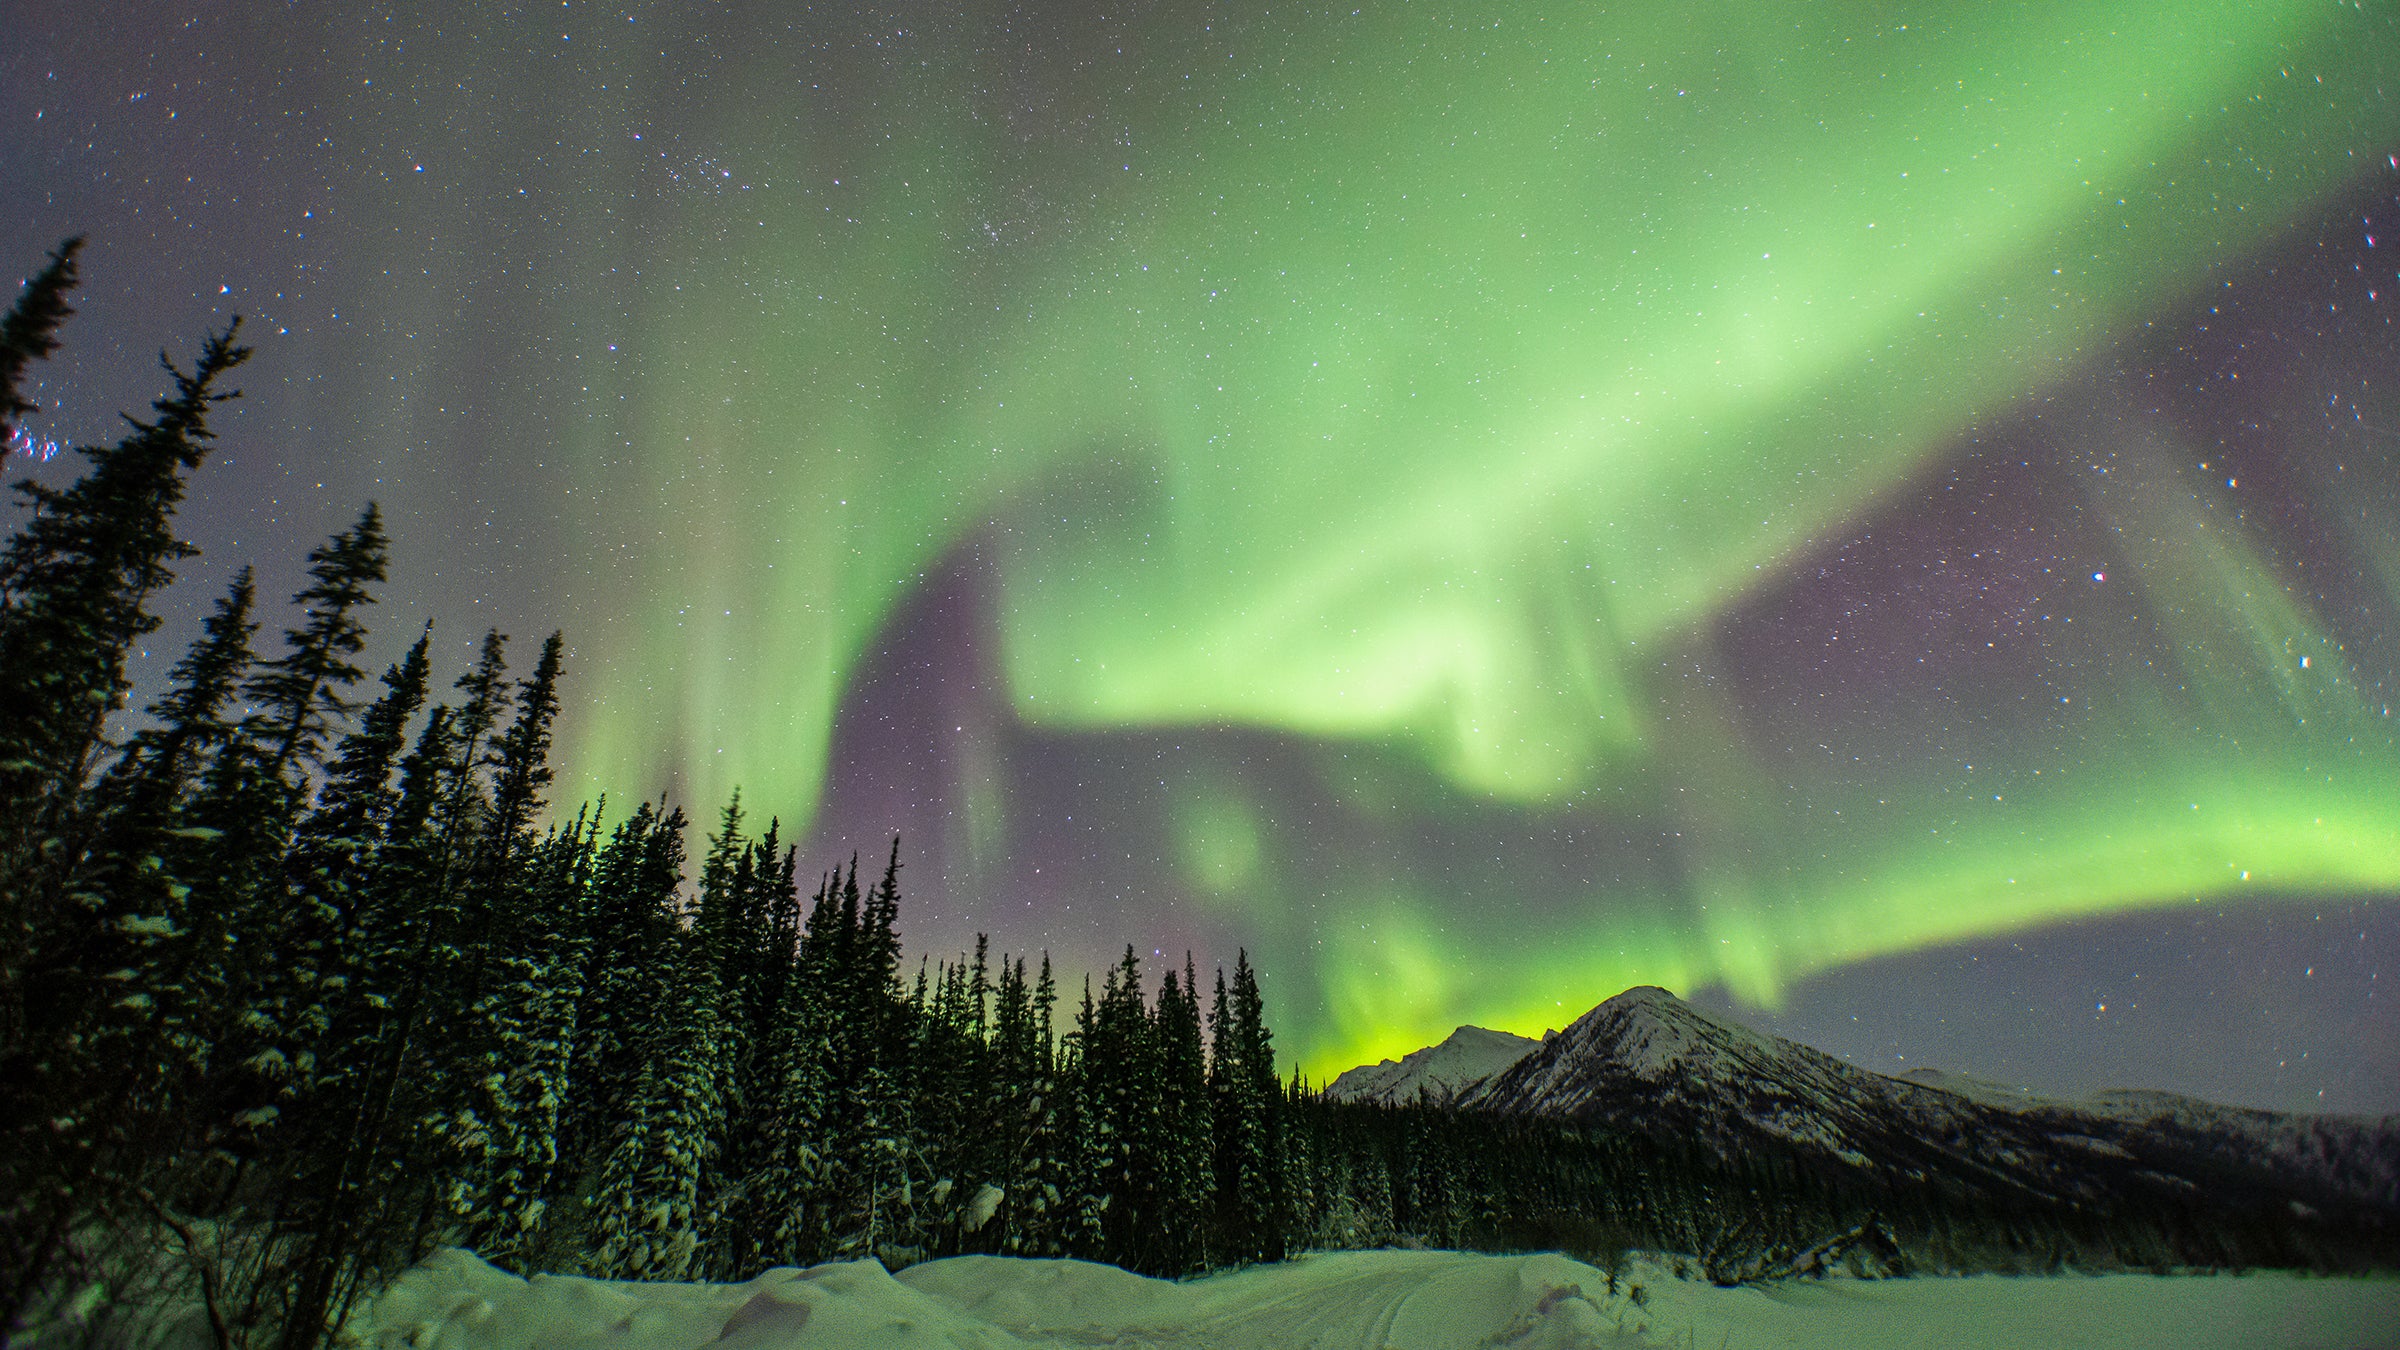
(295, 987)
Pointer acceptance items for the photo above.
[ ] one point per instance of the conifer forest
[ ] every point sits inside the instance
(304, 974)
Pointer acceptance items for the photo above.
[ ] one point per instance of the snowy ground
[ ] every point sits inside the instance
(1368, 1300)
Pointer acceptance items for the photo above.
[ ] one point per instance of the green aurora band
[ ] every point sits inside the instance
(1426, 387)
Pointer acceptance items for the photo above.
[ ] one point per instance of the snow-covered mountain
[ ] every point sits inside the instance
(1647, 1060)
(1470, 1055)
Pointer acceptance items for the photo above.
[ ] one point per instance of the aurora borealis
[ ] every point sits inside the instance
(1482, 506)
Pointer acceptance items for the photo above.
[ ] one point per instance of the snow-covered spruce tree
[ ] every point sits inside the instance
(727, 908)
(336, 865)
(302, 696)
(116, 966)
(515, 1039)
(1180, 1134)
(1006, 1197)
(629, 935)
(460, 802)
(115, 962)
(527, 1020)
(280, 969)
(1042, 1182)
(520, 765)
(1251, 1217)
(882, 1150)
(352, 810)
(397, 998)
(300, 700)
(1121, 1093)
(855, 1015)
(1303, 1170)
(943, 1052)
(457, 926)
(658, 1188)
(766, 918)
(784, 1203)
(394, 1061)
(1432, 1211)
(774, 922)
(75, 582)
(647, 1217)
(814, 1055)
(1081, 1140)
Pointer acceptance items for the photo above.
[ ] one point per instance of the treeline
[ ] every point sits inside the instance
(296, 983)
(1368, 1175)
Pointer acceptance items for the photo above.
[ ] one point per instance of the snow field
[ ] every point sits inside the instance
(1364, 1300)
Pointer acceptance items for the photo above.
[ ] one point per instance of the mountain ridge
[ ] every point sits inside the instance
(1647, 1060)
(1440, 1071)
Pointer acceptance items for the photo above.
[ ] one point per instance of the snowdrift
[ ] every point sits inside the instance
(1392, 1300)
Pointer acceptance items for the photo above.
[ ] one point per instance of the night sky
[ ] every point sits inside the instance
(1879, 517)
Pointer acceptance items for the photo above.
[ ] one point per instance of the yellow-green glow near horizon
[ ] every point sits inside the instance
(1433, 385)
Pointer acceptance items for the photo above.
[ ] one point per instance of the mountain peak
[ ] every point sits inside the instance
(1646, 1042)
(1642, 993)
(1648, 1033)
(1467, 1057)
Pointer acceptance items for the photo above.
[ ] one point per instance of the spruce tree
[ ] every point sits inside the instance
(1087, 1141)
(520, 764)
(629, 938)
(337, 868)
(1183, 1137)
(30, 331)
(1048, 1149)
(280, 1010)
(379, 1199)
(1122, 1089)
(515, 971)
(302, 696)
(75, 583)
(132, 923)
(649, 1215)
(526, 1022)
(787, 1200)
(462, 804)
(883, 1144)
(110, 990)
(1251, 1216)
(354, 806)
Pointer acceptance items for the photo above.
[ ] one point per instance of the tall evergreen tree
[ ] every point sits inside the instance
(526, 1023)
(131, 924)
(30, 331)
(354, 807)
(337, 868)
(629, 940)
(111, 985)
(1121, 1089)
(462, 802)
(788, 1194)
(1181, 1136)
(880, 1149)
(1251, 1213)
(302, 696)
(649, 1214)
(520, 765)
(75, 583)
(279, 1012)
